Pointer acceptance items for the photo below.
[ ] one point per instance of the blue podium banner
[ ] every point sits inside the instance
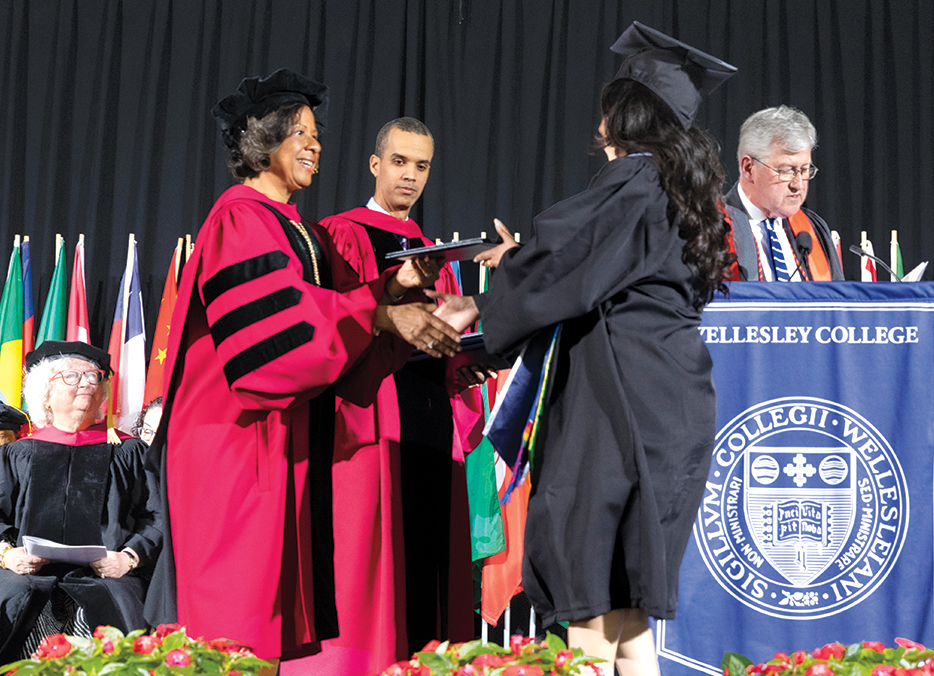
(817, 523)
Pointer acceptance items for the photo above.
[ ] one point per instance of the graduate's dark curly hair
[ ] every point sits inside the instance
(638, 121)
(261, 138)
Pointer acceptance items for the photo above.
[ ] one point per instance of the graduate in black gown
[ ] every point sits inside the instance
(627, 267)
(67, 484)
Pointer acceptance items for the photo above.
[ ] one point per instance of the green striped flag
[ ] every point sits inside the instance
(487, 536)
(55, 313)
(11, 331)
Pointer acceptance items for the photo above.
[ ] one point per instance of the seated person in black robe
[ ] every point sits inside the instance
(67, 484)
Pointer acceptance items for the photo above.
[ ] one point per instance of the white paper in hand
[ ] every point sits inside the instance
(55, 551)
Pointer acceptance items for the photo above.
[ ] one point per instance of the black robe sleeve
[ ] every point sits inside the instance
(585, 250)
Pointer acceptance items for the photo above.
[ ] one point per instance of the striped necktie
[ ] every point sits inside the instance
(778, 258)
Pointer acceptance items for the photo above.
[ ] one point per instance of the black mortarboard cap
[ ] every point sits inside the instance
(257, 97)
(53, 349)
(678, 73)
(11, 418)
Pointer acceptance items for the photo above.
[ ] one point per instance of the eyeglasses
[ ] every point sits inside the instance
(95, 377)
(147, 434)
(806, 174)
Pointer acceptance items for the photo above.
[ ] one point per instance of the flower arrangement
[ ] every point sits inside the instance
(869, 658)
(524, 657)
(166, 651)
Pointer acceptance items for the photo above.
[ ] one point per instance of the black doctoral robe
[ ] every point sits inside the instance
(624, 450)
(76, 489)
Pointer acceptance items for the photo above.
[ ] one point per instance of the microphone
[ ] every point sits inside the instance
(804, 244)
(859, 252)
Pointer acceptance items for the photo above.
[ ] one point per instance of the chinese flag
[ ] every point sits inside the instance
(160, 340)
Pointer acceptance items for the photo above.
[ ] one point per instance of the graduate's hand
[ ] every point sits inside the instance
(21, 563)
(458, 311)
(473, 375)
(115, 564)
(415, 324)
(490, 257)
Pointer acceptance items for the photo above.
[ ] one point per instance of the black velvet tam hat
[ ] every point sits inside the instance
(257, 97)
(676, 72)
(53, 349)
(11, 418)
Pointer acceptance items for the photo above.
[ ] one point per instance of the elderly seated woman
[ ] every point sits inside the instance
(67, 484)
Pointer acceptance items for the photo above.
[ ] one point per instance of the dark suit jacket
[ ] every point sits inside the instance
(745, 242)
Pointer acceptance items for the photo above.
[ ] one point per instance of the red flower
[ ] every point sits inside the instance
(523, 670)
(517, 642)
(829, 651)
(468, 670)
(108, 646)
(819, 669)
(234, 673)
(164, 630)
(52, 647)
(908, 644)
(882, 670)
(799, 656)
(225, 645)
(144, 645)
(489, 660)
(772, 668)
(431, 646)
(874, 645)
(755, 669)
(99, 632)
(177, 658)
(397, 669)
(726, 672)
(563, 658)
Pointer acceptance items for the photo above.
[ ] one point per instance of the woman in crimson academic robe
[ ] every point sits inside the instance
(67, 484)
(625, 442)
(270, 324)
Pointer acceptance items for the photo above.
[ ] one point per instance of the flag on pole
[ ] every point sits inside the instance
(486, 521)
(835, 238)
(11, 331)
(29, 314)
(160, 340)
(502, 572)
(55, 312)
(78, 324)
(127, 346)
(895, 253)
(867, 267)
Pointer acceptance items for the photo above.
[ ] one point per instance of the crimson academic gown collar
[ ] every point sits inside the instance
(377, 219)
(96, 434)
(244, 192)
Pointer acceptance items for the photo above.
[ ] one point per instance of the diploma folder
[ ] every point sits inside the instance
(472, 352)
(55, 551)
(450, 252)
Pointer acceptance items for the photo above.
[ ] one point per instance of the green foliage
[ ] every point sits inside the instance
(166, 652)
(869, 658)
(474, 658)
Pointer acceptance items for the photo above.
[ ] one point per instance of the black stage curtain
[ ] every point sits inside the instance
(105, 127)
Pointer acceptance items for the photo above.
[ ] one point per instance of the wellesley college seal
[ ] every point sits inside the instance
(805, 509)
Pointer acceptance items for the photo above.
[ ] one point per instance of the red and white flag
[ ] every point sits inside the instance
(867, 267)
(76, 328)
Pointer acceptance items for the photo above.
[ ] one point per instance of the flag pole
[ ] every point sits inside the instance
(507, 622)
(178, 257)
